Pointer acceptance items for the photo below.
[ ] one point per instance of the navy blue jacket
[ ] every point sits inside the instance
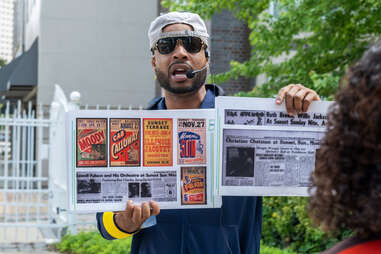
(233, 228)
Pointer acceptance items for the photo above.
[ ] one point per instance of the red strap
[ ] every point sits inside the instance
(364, 248)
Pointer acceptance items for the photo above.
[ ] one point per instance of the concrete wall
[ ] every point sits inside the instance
(32, 9)
(99, 48)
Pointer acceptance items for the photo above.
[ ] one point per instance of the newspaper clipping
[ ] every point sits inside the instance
(91, 142)
(191, 141)
(274, 118)
(124, 142)
(157, 142)
(115, 187)
(268, 158)
(265, 150)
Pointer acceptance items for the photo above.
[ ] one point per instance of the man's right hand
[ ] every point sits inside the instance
(131, 219)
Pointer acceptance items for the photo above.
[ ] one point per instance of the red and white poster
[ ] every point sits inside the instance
(91, 142)
(124, 142)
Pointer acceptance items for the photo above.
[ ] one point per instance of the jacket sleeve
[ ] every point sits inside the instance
(108, 228)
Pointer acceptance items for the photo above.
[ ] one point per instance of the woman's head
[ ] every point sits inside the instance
(346, 183)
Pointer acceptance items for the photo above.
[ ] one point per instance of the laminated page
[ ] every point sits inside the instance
(140, 155)
(264, 151)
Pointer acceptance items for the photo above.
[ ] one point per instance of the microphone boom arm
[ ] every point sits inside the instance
(191, 73)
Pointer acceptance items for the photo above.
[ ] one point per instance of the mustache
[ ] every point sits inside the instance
(179, 62)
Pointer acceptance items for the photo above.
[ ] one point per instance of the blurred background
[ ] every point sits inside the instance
(57, 56)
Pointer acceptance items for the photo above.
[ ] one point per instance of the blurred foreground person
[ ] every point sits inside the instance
(346, 184)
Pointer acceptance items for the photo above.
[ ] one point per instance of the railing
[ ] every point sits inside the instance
(24, 183)
(33, 172)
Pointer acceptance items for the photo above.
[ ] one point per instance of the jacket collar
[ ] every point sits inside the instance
(212, 91)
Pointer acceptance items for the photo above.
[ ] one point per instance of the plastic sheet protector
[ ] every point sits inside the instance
(191, 158)
(141, 155)
(262, 150)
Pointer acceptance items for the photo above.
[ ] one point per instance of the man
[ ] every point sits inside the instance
(179, 43)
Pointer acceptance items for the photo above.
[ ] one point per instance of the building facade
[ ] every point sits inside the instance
(229, 41)
(99, 48)
(6, 29)
(18, 28)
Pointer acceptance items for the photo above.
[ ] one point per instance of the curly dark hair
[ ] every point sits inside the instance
(346, 183)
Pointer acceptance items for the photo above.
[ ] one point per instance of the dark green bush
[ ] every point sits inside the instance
(272, 250)
(92, 243)
(287, 225)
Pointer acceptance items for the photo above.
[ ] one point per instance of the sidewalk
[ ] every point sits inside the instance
(32, 239)
(25, 248)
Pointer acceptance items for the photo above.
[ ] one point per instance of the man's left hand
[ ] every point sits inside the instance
(298, 98)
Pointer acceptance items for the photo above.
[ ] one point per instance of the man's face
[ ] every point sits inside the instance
(171, 68)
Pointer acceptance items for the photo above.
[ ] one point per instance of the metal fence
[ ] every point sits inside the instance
(33, 172)
(25, 207)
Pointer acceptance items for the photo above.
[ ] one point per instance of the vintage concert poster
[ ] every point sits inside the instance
(124, 142)
(191, 137)
(157, 142)
(193, 185)
(91, 142)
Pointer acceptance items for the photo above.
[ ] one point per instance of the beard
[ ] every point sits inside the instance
(197, 82)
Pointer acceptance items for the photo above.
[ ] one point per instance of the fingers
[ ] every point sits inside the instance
(307, 102)
(281, 95)
(141, 214)
(290, 95)
(298, 98)
(146, 211)
(155, 208)
(308, 99)
(129, 208)
(136, 215)
(132, 218)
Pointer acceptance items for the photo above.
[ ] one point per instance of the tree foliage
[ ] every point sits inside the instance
(319, 39)
(2, 62)
(286, 225)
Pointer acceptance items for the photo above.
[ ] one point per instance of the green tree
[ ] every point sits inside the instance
(2, 62)
(319, 39)
(287, 225)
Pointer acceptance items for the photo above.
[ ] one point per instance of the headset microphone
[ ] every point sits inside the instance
(191, 73)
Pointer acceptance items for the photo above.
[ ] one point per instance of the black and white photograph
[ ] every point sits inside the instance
(145, 190)
(90, 186)
(240, 161)
(133, 190)
(170, 190)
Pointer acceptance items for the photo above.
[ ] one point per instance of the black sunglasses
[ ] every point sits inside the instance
(167, 45)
